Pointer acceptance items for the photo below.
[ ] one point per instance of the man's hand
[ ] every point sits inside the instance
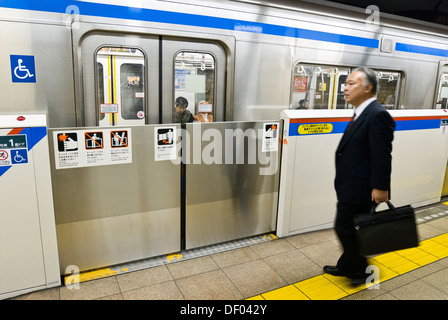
(380, 195)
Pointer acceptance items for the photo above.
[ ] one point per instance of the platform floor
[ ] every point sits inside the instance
(277, 269)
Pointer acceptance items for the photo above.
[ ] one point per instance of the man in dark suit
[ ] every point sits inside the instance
(363, 168)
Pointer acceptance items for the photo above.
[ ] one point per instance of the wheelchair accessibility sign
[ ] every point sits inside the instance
(19, 156)
(23, 68)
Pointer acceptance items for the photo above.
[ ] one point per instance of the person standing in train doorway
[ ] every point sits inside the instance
(363, 168)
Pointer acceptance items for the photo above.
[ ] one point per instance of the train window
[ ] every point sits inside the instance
(195, 81)
(442, 92)
(132, 90)
(322, 87)
(388, 88)
(120, 86)
(318, 87)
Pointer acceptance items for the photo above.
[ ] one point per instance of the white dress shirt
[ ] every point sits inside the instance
(362, 106)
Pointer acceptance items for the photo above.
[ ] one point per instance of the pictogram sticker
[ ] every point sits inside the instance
(165, 136)
(119, 139)
(105, 147)
(4, 155)
(19, 156)
(94, 140)
(67, 141)
(13, 148)
(270, 137)
(164, 143)
(23, 68)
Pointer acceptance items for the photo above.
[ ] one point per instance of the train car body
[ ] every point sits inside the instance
(250, 60)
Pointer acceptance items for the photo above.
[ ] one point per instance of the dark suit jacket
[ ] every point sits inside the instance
(363, 157)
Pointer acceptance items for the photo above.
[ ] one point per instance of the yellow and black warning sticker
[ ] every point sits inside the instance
(315, 128)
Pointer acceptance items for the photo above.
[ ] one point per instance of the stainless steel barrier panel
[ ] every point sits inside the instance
(28, 245)
(116, 194)
(307, 198)
(231, 182)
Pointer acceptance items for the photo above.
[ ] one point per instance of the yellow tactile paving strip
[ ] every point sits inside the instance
(390, 265)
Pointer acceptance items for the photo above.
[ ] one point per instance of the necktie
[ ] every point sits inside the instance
(350, 124)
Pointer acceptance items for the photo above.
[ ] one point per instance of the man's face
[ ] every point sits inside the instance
(354, 91)
(180, 109)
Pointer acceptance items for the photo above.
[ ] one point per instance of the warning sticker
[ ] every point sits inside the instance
(94, 140)
(67, 141)
(4, 158)
(270, 137)
(119, 139)
(83, 148)
(315, 128)
(13, 150)
(164, 143)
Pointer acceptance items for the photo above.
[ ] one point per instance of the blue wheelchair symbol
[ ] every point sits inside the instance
(23, 68)
(19, 156)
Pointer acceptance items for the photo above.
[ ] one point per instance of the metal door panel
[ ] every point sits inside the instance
(22, 261)
(113, 214)
(229, 201)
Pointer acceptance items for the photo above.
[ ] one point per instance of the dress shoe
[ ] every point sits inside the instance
(334, 271)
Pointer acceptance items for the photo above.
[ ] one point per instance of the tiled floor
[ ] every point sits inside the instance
(261, 268)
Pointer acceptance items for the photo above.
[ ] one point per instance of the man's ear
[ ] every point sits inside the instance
(368, 88)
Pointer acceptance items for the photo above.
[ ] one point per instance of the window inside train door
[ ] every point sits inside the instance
(388, 88)
(442, 92)
(120, 86)
(195, 81)
(318, 87)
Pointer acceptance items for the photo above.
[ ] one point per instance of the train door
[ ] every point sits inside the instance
(134, 79)
(196, 72)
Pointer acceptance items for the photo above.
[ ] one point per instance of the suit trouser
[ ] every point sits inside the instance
(350, 262)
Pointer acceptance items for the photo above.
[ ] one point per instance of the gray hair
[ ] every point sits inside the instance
(369, 78)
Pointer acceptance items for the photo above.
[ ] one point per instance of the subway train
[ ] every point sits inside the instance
(90, 66)
(125, 62)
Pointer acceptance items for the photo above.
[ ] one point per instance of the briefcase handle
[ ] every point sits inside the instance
(372, 211)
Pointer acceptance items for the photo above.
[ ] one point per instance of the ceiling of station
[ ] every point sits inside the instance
(434, 11)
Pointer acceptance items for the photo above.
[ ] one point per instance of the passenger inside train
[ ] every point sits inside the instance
(205, 112)
(303, 104)
(182, 114)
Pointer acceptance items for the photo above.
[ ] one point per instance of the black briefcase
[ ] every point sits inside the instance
(385, 231)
